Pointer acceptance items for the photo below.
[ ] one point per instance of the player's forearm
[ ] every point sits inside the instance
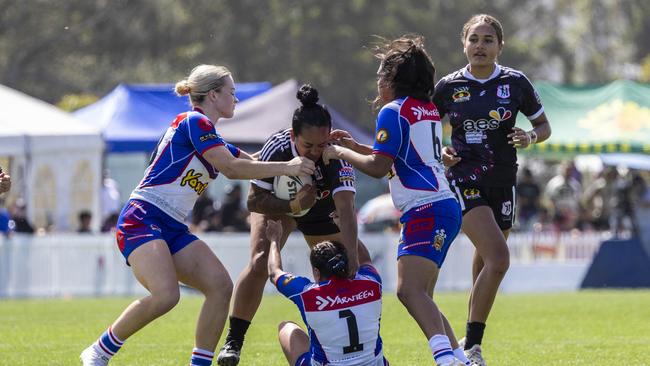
(274, 262)
(349, 234)
(264, 202)
(365, 163)
(253, 169)
(362, 149)
(543, 131)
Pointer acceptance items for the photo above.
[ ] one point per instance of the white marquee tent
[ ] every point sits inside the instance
(55, 160)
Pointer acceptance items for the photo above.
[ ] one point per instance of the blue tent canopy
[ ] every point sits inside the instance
(132, 117)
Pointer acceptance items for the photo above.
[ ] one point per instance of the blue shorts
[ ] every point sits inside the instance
(428, 230)
(304, 359)
(141, 222)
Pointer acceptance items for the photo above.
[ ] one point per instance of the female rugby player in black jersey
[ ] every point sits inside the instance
(482, 101)
(331, 195)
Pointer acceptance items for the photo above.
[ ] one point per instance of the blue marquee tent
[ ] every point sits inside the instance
(132, 117)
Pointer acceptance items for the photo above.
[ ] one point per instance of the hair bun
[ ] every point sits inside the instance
(182, 87)
(307, 95)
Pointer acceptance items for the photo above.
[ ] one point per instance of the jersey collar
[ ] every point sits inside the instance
(197, 109)
(468, 75)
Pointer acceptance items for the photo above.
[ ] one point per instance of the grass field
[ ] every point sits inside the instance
(583, 328)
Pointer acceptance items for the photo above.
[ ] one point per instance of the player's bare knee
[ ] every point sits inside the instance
(499, 265)
(165, 300)
(405, 293)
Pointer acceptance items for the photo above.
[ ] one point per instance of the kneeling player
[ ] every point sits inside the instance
(342, 312)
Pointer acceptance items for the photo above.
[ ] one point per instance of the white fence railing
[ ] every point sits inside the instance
(65, 265)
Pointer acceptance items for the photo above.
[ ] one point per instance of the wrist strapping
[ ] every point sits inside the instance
(532, 135)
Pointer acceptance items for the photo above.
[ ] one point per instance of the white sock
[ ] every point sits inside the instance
(460, 354)
(441, 349)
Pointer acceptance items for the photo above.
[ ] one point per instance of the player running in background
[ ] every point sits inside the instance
(332, 194)
(408, 148)
(482, 101)
(341, 309)
(151, 233)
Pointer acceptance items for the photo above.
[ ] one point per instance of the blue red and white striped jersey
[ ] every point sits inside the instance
(342, 316)
(409, 132)
(177, 173)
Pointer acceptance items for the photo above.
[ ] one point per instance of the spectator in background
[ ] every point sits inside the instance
(19, 217)
(85, 218)
(563, 194)
(528, 194)
(110, 223)
(233, 214)
(5, 182)
(599, 199)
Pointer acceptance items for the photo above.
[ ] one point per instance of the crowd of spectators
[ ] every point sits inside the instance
(574, 200)
(549, 197)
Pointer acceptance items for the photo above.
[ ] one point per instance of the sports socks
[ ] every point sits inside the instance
(474, 334)
(459, 354)
(441, 349)
(109, 343)
(238, 329)
(201, 357)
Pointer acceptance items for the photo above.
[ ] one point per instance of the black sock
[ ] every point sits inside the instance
(474, 334)
(238, 329)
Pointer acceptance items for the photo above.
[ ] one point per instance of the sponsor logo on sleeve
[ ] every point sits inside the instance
(207, 136)
(287, 279)
(346, 174)
(382, 135)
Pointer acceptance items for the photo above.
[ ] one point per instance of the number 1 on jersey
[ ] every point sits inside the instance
(353, 331)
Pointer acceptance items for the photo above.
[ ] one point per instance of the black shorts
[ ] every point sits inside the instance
(326, 226)
(500, 199)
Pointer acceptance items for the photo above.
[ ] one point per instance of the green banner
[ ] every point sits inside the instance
(595, 119)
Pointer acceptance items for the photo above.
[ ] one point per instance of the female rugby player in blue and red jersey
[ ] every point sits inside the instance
(408, 148)
(482, 101)
(341, 307)
(151, 233)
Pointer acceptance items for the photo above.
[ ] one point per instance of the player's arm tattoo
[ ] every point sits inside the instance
(263, 201)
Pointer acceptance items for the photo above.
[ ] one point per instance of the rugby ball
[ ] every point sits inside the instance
(286, 188)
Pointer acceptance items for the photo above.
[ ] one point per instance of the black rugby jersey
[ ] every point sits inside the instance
(329, 179)
(482, 114)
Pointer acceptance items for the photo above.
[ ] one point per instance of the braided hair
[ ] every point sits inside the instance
(330, 258)
(310, 112)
